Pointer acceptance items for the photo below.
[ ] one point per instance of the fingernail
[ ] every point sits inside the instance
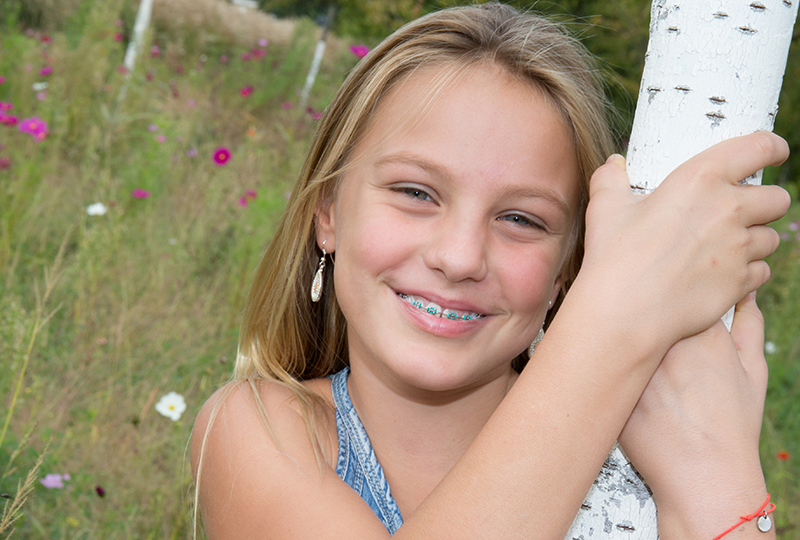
(616, 158)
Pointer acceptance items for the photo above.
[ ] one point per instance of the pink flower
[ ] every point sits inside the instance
(149, 76)
(54, 481)
(122, 69)
(316, 115)
(263, 42)
(359, 51)
(46, 39)
(152, 128)
(191, 103)
(222, 155)
(179, 68)
(224, 58)
(40, 96)
(8, 119)
(5, 106)
(250, 194)
(258, 53)
(35, 127)
(246, 91)
(155, 52)
(118, 37)
(45, 71)
(2, 80)
(243, 202)
(191, 152)
(161, 138)
(140, 193)
(287, 105)
(5, 163)
(246, 56)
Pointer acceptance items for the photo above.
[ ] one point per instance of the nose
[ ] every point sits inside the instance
(458, 248)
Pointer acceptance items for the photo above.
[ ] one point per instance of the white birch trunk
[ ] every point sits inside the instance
(713, 70)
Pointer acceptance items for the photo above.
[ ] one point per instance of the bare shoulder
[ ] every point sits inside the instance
(257, 484)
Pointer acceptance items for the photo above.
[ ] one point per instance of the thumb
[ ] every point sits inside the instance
(610, 177)
(747, 333)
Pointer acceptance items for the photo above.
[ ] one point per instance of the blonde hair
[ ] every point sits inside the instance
(284, 336)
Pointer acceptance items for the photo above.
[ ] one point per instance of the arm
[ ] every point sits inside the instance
(694, 434)
(528, 470)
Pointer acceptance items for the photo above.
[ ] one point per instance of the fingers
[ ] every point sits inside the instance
(764, 204)
(739, 157)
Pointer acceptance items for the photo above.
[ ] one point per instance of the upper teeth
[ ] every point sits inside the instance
(436, 310)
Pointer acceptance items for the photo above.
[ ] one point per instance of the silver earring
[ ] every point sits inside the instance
(316, 285)
(536, 340)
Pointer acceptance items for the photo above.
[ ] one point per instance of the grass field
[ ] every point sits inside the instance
(105, 309)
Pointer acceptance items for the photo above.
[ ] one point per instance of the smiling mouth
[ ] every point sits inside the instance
(435, 310)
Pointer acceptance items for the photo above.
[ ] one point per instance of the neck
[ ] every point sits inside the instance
(419, 435)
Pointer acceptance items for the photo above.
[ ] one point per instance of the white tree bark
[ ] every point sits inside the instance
(713, 70)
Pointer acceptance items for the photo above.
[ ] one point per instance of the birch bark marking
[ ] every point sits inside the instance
(713, 70)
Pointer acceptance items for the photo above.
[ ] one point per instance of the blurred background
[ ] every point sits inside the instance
(135, 204)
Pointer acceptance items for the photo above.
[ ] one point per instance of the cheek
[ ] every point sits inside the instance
(528, 279)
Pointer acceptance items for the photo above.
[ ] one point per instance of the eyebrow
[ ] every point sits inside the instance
(510, 192)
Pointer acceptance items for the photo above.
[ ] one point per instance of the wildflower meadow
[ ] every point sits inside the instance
(134, 206)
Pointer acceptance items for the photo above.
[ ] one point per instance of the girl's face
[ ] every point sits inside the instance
(465, 211)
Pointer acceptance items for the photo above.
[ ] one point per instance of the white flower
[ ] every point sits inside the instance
(96, 209)
(770, 347)
(171, 405)
(39, 86)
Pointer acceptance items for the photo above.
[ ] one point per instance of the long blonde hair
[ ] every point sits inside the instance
(284, 336)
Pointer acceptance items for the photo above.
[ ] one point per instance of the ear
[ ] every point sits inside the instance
(325, 221)
(556, 290)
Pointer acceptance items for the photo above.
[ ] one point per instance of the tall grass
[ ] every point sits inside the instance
(150, 292)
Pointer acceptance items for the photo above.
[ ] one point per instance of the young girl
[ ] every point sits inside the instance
(383, 384)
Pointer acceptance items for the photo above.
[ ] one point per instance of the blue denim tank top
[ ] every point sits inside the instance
(619, 505)
(357, 464)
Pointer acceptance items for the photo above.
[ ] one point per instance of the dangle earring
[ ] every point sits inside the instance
(316, 285)
(536, 340)
(539, 336)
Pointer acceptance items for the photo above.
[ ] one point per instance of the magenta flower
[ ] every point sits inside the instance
(100, 491)
(246, 91)
(222, 155)
(359, 51)
(140, 193)
(287, 105)
(118, 37)
(191, 152)
(8, 119)
(224, 58)
(40, 96)
(45, 71)
(5, 106)
(5, 163)
(155, 51)
(250, 194)
(263, 42)
(161, 138)
(2, 80)
(243, 202)
(35, 127)
(46, 39)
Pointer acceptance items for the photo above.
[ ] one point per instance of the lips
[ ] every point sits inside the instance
(435, 310)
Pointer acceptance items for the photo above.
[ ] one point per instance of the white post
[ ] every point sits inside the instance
(713, 70)
(318, 53)
(139, 28)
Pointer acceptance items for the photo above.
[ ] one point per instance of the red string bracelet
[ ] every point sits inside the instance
(764, 522)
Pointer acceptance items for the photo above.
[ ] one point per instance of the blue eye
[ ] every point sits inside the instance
(522, 221)
(416, 193)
